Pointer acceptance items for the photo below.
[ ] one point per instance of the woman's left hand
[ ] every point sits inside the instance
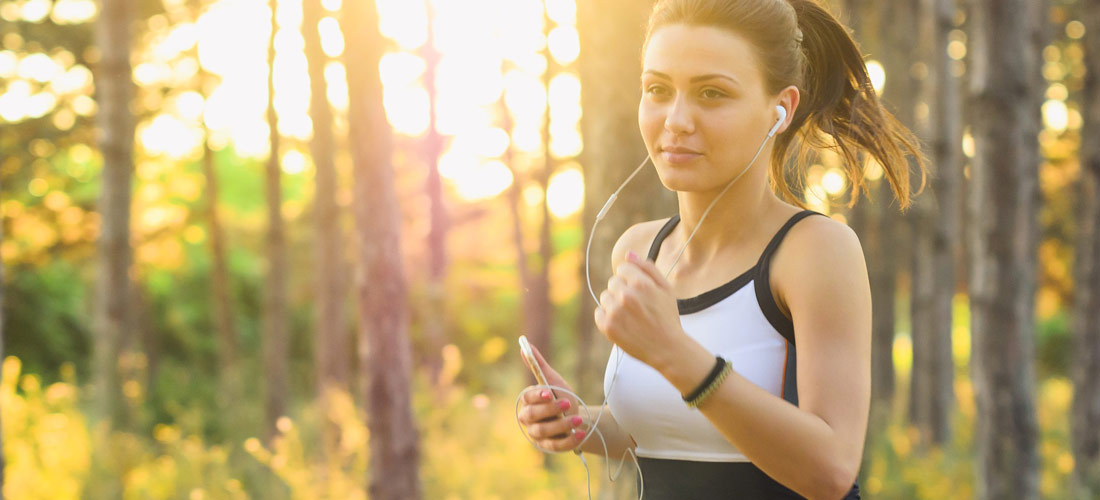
(638, 311)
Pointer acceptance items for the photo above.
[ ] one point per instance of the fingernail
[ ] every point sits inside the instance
(577, 421)
(580, 435)
(564, 404)
(545, 394)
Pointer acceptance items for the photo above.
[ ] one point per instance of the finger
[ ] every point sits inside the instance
(645, 270)
(555, 429)
(532, 394)
(616, 284)
(542, 412)
(606, 299)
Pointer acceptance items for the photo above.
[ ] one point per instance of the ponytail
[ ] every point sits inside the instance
(802, 44)
(840, 102)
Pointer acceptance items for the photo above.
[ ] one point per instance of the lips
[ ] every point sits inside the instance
(676, 154)
(678, 149)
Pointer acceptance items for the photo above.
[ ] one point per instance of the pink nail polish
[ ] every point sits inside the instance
(545, 394)
(577, 421)
(580, 435)
(564, 404)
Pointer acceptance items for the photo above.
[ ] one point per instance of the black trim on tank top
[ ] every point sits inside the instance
(764, 297)
(715, 295)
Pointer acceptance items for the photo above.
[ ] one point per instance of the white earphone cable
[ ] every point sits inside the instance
(594, 427)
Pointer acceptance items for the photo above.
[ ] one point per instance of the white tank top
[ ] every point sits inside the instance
(739, 321)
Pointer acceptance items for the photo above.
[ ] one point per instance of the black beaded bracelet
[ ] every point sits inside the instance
(719, 363)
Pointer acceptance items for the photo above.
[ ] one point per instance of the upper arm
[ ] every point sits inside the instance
(825, 286)
(635, 238)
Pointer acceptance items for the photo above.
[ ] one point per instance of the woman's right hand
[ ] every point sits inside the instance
(551, 417)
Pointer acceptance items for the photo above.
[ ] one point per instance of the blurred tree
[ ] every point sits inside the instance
(1, 356)
(276, 343)
(610, 69)
(1086, 306)
(871, 220)
(935, 230)
(331, 343)
(221, 298)
(114, 89)
(1003, 234)
(384, 350)
(115, 122)
(538, 312)
(435, 324)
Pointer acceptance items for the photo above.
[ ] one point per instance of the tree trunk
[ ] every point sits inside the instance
(332, 364)
(111, 318)
(1086, 310)
(275, 328)
(435, 322)
(384, 350)
(936, 225)
(609, 70)
(1003, 236)
(2, 463)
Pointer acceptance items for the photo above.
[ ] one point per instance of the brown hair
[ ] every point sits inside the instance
(800, 43)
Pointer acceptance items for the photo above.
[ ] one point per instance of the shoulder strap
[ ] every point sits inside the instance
(655, 247)
(779, 235)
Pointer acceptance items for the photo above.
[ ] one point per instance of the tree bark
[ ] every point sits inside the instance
(275, 328)
(435, 323)
(1086, 307)
(936, 226)
(610, 65)
(384, 349)
(111, 317)
(1003, 238)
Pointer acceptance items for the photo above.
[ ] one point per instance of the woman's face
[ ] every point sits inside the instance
(704, 110)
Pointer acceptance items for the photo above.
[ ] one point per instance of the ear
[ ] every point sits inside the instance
(788, 98)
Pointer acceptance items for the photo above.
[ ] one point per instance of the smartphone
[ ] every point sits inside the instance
(532, 363)
(529, 356)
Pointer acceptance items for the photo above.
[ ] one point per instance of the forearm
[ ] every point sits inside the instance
(793, 446)
(618, 440)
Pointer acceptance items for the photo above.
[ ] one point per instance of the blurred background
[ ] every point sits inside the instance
(285, 249)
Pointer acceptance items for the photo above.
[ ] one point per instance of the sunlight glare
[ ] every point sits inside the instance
(73, 11)
(405, 22)
(9, 63)
(336, 79)
(833, 181)
(400, 68)
(1055, 115)
(562, 11)
(294, 162)
(565, 194)
(564, 44)
(332, 39)
(877, 74)
(484, 181)
(407, 109)
(38, 67)
(35, 11)
(166, 134)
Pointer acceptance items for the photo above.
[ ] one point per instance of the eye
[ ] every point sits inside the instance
(656, 90)
(713, 93)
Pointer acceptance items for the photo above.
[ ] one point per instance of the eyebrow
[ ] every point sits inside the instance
(696, 78)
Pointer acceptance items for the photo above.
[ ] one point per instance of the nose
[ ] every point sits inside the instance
(679, 119)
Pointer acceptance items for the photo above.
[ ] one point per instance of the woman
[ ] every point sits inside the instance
(764, 420)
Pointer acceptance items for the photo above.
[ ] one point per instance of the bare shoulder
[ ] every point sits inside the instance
(817, 252)
(636, 238)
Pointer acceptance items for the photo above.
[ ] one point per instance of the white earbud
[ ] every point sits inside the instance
(779, 122)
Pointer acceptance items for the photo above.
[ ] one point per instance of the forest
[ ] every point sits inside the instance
(285, 249)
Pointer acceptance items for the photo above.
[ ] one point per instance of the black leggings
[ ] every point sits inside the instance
(692, 480)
